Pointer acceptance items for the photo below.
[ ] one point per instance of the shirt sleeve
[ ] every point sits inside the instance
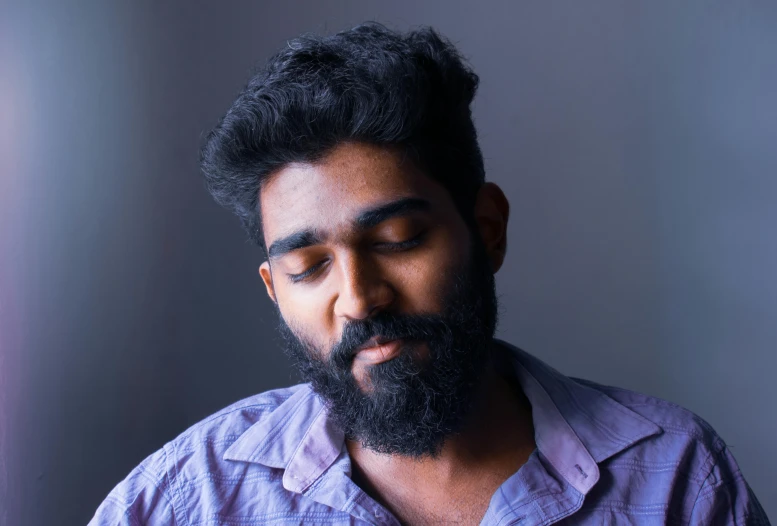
(141, 499)
(725, 498)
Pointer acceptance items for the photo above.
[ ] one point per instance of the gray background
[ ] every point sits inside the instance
(635, 141)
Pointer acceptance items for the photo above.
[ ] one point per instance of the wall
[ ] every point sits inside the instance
(634, 140)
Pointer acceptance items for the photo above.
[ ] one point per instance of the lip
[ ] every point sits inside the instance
(378, 350)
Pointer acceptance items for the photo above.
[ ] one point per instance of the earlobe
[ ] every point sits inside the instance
(266, 274)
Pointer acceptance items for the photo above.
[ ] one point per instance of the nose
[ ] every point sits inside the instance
(363, 292)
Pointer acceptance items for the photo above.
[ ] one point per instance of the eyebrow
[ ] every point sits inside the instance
(401, 207)
(364, 221)
(295, 241)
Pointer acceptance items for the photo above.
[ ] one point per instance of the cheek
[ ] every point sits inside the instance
(424, 281)
(306, 312)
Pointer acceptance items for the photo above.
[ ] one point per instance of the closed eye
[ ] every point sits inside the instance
(402, 245)
(296, 278)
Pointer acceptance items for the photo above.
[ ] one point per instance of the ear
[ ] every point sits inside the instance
(492, 211)
(264, 272)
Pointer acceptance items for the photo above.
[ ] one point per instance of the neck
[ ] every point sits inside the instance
(495, 441)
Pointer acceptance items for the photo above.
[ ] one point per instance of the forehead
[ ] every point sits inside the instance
(329, 193)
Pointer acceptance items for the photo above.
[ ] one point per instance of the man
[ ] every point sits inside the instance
(353, 161)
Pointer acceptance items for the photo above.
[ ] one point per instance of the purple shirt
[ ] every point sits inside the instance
(604, 456)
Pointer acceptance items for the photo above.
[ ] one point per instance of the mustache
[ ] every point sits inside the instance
(385, 325)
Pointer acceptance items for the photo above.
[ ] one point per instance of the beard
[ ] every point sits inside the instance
(412, 405)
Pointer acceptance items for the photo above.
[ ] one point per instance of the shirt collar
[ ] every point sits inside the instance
(297, 436)
(576, 427)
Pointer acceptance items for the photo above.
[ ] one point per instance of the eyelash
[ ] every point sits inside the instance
(391, 247)
(296, 278)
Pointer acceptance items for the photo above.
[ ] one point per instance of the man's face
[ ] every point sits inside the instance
(385, 295)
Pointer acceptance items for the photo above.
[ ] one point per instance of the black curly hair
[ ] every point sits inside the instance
(368, 84)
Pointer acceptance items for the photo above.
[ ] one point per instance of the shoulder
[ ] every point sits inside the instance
(154, 491)
(674, 420)
(686, 443)
(687, 469)
(217, 432)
